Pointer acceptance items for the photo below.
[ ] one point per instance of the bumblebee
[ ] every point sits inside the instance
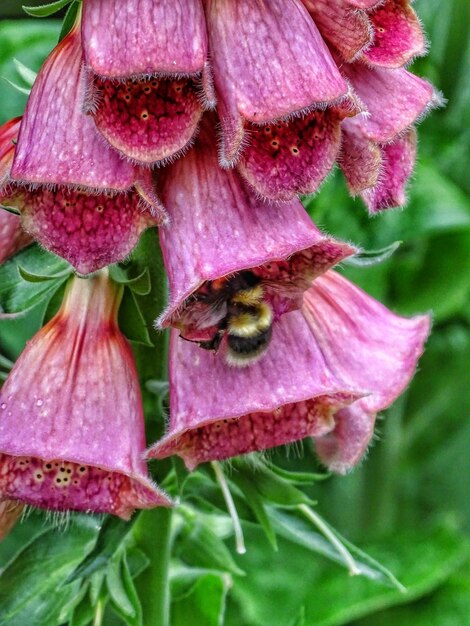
(242, 318)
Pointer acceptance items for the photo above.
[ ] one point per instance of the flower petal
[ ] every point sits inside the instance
(398, 162)
(346, 28)
(146, 37)
(261, 71)
(71, 420)
(280, 241)
(90, 231)
(394, 98)
(398, 36)
(360, 159)
(288, 158)
(287, 396)
(343, 447)
(58, 143)
(364, 344)
(12, 236)
(147, 120)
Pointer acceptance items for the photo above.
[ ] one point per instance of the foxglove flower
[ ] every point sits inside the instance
(330, 368)
(77, 197)
(71, 419)
(219, 227)
(146, 61)
(12, 236)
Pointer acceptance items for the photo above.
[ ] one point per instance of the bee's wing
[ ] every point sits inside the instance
(202, 313)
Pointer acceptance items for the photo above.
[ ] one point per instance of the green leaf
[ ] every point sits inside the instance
(298, 478)
(69, 19)
(131, 321)
(30, 277)
(198, 545)
(16, 294)
(373, 257)
(26, 73)
(256, 503)
(203, 602)
(122, 591)
(274, 488)
(301, 532)
(23, 90)
(32, 586)
(112, 532)
(139, 284)
(45, 10)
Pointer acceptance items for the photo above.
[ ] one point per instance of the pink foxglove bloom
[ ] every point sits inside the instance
(220, 232)
(71, 418)
(77, 197)
(330, 368)
(146, 62)
(12, 236)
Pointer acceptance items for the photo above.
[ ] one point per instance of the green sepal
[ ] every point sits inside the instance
(366, 258)
(45, 10)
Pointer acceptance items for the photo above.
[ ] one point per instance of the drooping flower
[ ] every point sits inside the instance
(146, 63)
(330, 368)
(219, 229)
(71, 418)
(77, 197)
(12, 236)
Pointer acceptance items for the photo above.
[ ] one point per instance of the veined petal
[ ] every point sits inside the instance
(71, 420)
(8, 137)
(398, 163)
(148, 120)
(394, 98)
(144, 37)
(58, 143)
(398, 36)
(262, 72)
(211, 211)
(342, 24)
(287, 396)
(364, 344)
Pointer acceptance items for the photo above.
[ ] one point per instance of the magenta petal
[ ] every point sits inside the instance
(71, 420)
(287, 396)
(398, 36)
(261, 71)
(144, 37)
(343, 447)
(365, 345)
(148, 120)
(288, 158)
(360, 159)
(212, 211)
(398, 162)
(8, 139)
(12, 236)
(346, 28)
(394, 98)
(58, 143)
(90, 231)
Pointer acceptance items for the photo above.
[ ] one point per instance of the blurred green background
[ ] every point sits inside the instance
(408, 504)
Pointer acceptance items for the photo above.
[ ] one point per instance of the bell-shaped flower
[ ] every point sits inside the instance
(77, 197)
(379, 148)
(330, 368)
(12, 236)
(146, 61)
(280, 95)
(71, 417)
(219, 228)
(382, 32)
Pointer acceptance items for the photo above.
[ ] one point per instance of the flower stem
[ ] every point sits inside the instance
(335, 542)
(152, 530)
(152, 533)
(237, 529)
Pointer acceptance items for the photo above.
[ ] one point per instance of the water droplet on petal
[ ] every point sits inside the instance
(4, 406)
(39, 402)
